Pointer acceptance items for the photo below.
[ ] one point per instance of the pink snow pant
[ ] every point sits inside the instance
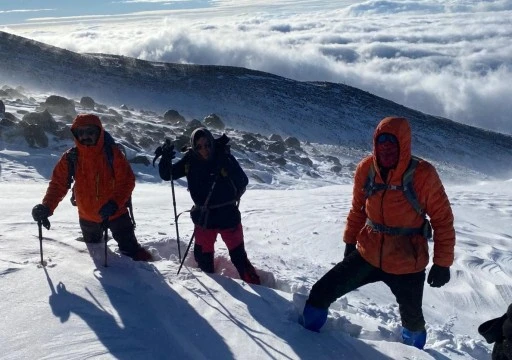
(206, 237)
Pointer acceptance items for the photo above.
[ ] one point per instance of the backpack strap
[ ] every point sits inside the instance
(407, 189)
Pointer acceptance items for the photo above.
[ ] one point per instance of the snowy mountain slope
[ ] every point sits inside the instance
(324, 113)
(76, 308)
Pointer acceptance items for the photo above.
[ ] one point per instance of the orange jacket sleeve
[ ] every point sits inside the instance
(356, 218)
(58, 187)
(437, 206)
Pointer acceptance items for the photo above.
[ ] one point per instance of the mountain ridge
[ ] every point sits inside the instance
(250, 100)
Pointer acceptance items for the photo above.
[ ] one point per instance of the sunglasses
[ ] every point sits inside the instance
(90, 132)
(382, 138)
(201, 146)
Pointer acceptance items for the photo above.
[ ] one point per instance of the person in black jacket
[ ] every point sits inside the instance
(499, 332)
(216, 182)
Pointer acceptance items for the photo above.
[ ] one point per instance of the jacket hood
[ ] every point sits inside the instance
(86, 120)
(399, 127)
(199, 133)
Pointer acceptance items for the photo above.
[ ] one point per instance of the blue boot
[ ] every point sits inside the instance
(414, 338)
(313, 318)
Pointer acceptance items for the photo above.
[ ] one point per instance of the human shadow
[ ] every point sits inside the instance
(143, 317)
(269, 309)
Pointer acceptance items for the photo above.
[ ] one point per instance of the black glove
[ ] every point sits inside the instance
(108, 209)
(349, 248)
(166, 151)
(40, 212)
(438, 276)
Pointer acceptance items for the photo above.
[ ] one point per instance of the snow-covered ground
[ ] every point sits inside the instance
(75, 308)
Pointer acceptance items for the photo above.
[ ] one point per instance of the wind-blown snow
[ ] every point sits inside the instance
(76, 308)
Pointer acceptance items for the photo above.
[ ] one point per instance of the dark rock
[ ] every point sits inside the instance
(174, 118)
(44, 119)
(140, 159)
(35, 136)
(59, 105)
(213, 121)
(87, 102)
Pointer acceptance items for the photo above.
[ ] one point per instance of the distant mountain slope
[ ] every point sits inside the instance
(255, 101)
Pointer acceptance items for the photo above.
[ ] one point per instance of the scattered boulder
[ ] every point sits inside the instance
(87, 102)
(43, 119)
(35, 136)
(336, 169)
(281, 161)
(174, 118)
(333, 159)
(277, 147)
(275, 137)
(213, 121)
(292, 142)
(140, 159)
(59, 105)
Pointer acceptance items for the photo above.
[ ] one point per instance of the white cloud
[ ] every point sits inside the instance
(429, 57)
(23, 11)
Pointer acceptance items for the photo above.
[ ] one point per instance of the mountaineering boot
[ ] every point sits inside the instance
(204, 260)
(243, 265)
(250, 276)
(142, 255)
(313, 318)
(414, 338)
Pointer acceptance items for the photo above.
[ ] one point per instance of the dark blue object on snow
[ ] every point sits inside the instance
(313, 318)
(414, 338)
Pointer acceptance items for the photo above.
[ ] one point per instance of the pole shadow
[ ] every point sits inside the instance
(142, 319)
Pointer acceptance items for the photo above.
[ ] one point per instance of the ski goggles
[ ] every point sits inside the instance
(385, 137)
(87, 131)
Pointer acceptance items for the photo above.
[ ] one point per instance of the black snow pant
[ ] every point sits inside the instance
(122, 232)
(354, 272)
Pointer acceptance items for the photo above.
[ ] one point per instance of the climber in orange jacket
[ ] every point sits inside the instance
(387, 232)
(104, 182)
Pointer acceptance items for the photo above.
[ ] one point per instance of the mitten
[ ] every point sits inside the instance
(438, 275)
(40, 212)
(108, 209)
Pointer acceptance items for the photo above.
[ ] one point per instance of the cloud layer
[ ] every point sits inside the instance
(447, 58)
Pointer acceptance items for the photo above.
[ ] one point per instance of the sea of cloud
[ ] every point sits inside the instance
(447, 58)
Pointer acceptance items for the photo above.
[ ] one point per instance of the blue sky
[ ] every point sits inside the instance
(14, 12)
(446, 58)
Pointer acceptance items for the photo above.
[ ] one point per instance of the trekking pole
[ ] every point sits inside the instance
(105, 238)
(201, 219)
(168, 148)
(186, 252)
(40, 226)
(175, 214)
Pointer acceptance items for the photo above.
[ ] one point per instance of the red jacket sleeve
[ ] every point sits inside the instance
(356, 218)
(58, 187)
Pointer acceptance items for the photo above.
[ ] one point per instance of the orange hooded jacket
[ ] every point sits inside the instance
(400, 254)
(96, 181)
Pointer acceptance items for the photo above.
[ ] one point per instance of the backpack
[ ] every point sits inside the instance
(72, 157)
(407, 188)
